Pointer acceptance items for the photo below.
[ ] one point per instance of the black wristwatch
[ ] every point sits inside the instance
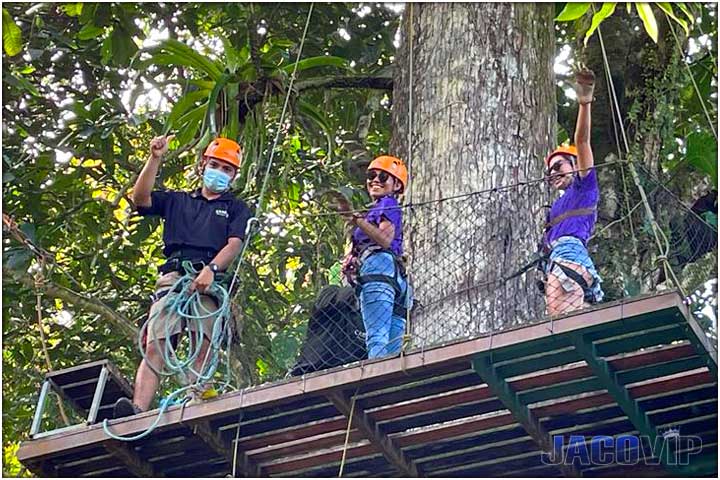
(214, 267)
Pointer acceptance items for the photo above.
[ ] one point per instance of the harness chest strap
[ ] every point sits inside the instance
(576, 212)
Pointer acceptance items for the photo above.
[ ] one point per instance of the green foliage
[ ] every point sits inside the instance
(72, 9)
(607, 9)
(702, 154)
(575, 11)
(12, 35)
(668, 9)
(648, 18)
(78, 117)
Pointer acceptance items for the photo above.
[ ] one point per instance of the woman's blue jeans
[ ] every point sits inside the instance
(383, 329)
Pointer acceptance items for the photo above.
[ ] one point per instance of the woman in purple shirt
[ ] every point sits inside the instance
(572, 279)
(373, 263)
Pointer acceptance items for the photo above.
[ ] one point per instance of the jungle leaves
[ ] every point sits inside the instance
(11, 34)
(575, 11)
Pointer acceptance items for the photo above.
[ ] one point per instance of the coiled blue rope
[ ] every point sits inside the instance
(182, 308)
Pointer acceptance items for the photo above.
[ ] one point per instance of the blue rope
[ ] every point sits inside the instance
(181, 307)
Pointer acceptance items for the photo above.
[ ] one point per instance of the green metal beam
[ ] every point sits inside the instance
(499, 386)
(701, 467)
(702, 345)
(609, 379)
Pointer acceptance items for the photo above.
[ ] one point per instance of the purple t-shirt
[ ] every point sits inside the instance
(388, 208)
(582, 193)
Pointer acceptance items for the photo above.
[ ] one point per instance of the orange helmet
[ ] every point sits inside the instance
(561, 150)
(392, 165)
(226, 150)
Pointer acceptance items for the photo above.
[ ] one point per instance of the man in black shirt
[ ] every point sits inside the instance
(205, 227)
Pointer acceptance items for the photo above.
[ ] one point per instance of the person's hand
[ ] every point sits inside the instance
(202, 281)
(342, 206)
(159, 146)
(348, 262)
(584, 85)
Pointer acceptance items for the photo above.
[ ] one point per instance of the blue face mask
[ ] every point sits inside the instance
(216, 181)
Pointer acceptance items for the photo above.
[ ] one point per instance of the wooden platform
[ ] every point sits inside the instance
(484, 407)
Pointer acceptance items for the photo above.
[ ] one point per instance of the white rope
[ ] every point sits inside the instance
(663, 246)
(258, 210)
(409, 152)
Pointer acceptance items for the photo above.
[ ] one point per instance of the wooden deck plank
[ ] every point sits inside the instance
(269, 424)
(371, 431)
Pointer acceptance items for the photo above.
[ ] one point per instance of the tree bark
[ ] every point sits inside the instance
(483, 117)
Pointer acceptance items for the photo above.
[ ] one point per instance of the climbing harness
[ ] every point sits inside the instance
(399, 308)
(188, 307)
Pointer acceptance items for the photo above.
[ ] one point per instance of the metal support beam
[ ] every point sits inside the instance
(702, 345)
(97, 398)
(701, 467)
(39, 409)
(212, 439)
(130, 458)
(370, 430)
(42, 468)
(608, 378)
(509, 398)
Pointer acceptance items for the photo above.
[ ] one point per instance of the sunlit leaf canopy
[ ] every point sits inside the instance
(87, 85)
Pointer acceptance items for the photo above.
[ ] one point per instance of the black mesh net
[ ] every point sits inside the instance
(471, 266)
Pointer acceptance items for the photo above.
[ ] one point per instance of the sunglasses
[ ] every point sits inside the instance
(382, 176)
(557, 166)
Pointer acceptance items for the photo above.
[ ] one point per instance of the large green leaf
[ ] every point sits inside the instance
(648, 18)
(106, 50)
(123, 47)
(12, 35)
(668, 9)
(573, 11)
(233, 58)
(72, 9)
(191, 121)
(314, 114)
(683, 8)
(314, 62)
(212, 102)
(702, 154)
(89, 32)
(607, 9)
(191, 58)
(182, 106)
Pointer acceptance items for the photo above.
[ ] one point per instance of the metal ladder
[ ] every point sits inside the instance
(91, 389)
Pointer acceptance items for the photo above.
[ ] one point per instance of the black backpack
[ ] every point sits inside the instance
(335, 334)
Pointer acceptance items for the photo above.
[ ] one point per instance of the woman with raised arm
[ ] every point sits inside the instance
(572, 281)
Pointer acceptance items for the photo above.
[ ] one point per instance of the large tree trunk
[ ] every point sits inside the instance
(483, 116)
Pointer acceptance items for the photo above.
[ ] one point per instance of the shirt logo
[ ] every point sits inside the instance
(221, 213)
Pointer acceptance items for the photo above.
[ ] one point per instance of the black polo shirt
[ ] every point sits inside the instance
(194, 222)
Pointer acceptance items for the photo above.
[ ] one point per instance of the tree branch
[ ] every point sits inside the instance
(380, 83)
(253, 40)
(69, 296)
